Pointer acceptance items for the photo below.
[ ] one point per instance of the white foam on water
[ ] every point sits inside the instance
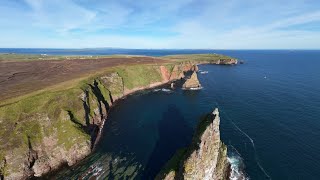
(165, 90)
(251, 141)
(237, 165)
(156, 90)
(204, 72)
(237, 172)
(192, 89)
(246, 135)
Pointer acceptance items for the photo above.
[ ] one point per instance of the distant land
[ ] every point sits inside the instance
(53, 108)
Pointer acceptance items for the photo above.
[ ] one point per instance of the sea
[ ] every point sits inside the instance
(269, 108)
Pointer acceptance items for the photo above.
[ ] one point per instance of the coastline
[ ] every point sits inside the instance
(97, 92)
(130, 93)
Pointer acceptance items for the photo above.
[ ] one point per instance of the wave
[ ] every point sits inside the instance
(246, 135)
(166, 90)
(163, 90)
(192, 89)
(250, 139)
(237, 165)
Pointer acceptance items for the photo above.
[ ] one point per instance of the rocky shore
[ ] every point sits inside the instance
(205, 158)
(63, 127)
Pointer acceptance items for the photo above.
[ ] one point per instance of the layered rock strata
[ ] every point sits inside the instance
(45, 131)
(206, 158)
(65, 127)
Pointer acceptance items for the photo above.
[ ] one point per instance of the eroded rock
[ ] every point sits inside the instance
(192, 82)
(206, 158)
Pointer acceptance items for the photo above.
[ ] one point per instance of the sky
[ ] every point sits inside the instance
(160, 24)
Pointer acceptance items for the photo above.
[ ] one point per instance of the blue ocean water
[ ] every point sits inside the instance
(269, 107)
(103, 51)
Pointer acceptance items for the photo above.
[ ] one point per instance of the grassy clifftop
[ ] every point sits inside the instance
(43, 57)
(59, 121)
(197, 57)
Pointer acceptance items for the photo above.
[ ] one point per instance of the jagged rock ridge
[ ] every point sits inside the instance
(206, 158)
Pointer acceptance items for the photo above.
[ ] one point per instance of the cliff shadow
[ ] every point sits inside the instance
(174, 133)
(101, 99)
(188, 74)
(91, 129)
(86, 108)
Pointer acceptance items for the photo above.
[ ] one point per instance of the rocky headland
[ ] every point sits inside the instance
(61, 124)
(205, 158)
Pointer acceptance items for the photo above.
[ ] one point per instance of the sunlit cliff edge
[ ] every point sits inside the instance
(205, 158)
(60, 124)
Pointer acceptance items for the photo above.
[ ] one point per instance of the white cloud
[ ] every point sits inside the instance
(59, 15)
(189, 23)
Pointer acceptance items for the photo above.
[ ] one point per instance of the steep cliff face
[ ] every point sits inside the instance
(228, 61)
(42, 132)
(206, 158)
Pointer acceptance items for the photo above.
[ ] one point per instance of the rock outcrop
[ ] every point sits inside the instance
(44, 131)
(227, 61)
(221, 62)
(64, 126)
(192, 82)
(206, 158)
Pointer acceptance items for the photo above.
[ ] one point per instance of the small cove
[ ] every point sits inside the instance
(269, 116)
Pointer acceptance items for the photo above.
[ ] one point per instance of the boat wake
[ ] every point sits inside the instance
(251, 141)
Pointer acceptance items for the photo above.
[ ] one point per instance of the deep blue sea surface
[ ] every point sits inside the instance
(270, 117)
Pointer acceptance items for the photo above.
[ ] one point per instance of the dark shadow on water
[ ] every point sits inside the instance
(174, 133)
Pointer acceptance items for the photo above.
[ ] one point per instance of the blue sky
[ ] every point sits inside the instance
(193, 24)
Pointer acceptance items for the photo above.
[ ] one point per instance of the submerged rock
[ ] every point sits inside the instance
(192, 82)
(206, 158)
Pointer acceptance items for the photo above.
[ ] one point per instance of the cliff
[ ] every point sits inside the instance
(206, 158)
(204, 59)
(58, 127)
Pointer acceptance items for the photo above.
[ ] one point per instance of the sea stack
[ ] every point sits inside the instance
(172, 85)
(206, 158)
(192, 82)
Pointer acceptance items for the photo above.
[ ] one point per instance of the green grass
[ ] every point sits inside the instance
(139, 75)
(169, 67)
(182, 154)
(44, 113)
(40, 115)
(173, 164)
(196, 57)
(37, 57)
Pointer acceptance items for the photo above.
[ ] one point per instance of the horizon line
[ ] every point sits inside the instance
(96, 48)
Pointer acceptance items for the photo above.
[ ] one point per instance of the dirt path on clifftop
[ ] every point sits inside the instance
(20, 78)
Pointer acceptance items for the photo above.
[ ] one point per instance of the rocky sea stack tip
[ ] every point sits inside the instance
(205, 158)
